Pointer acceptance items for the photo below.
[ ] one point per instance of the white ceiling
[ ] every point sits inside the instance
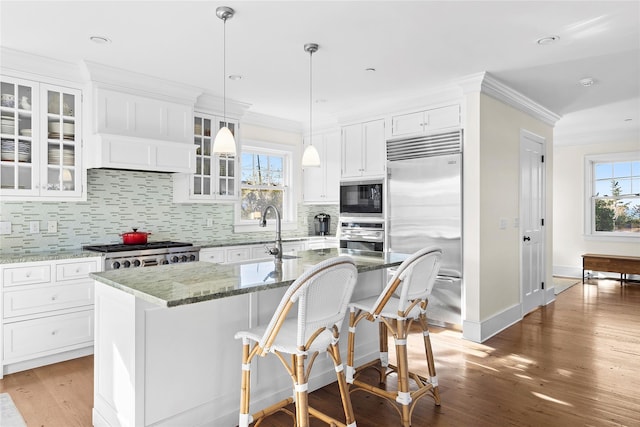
(415, 46)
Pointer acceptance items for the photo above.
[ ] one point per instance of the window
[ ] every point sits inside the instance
(265, 178)
(613, 195)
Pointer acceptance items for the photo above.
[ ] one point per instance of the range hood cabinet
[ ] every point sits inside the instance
(135, 132)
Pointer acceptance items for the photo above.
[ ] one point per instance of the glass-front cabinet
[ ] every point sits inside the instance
(40, 140)
(216, 175)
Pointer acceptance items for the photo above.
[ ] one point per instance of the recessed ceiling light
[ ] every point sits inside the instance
(321, 101)
(235, 77)
(587, 81)
(548, 40)
(628, 119)
(370, 70)
(99, 39)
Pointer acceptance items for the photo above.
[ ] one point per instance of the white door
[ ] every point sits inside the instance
(532, 220)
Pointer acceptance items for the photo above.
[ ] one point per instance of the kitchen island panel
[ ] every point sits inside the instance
(169, 366)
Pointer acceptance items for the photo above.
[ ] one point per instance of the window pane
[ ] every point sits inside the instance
(603, 170)
(254, 202)
(621, 215)
(622, 169)
(603, 188)
(624, 186)
(635, 186)
(635, 168)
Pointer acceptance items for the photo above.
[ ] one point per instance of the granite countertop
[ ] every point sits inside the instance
(45, 256)
(179, 284)
(11, 258)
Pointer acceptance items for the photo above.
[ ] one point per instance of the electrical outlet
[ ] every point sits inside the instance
(34, 227)
(52, 226)
(5, 227)
(209, 222)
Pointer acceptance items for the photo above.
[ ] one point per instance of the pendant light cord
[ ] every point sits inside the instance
(310, 97)
(224, 70)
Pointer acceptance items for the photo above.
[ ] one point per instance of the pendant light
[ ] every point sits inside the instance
(224, 143)
(310, 157)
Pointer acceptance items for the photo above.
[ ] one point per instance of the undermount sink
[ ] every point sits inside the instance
(284, 256)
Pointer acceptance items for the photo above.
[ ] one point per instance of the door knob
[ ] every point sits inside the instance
(526, 238)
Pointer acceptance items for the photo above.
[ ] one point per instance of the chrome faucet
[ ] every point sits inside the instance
(277, 250)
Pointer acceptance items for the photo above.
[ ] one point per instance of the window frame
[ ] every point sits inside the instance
(589, 201)
(289, 205)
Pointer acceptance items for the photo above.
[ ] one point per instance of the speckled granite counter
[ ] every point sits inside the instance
(179, 284)
(44, 256)
(262, 241)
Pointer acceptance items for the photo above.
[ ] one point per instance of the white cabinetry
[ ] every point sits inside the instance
(243, 253)
(135, 132)
(422, 122)
(41, 141)
(47, 312)
(323, 243)
(322, 185)
(363, 150)
(216, 176)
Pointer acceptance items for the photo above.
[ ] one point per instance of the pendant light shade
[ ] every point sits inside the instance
(310, 157)
(224, 142)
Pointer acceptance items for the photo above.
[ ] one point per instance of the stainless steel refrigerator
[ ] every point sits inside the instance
(424, 208)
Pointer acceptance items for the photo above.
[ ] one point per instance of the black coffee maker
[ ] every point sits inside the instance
(322, 223)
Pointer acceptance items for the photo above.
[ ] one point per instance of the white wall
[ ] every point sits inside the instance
(491, 192)
(568, 235)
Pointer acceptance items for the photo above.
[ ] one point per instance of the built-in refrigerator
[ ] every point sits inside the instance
(424, 208)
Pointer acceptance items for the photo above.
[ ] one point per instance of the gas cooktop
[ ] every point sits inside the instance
(119, 247)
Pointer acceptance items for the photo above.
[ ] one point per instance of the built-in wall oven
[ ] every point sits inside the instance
(361, 234)
(361, 199)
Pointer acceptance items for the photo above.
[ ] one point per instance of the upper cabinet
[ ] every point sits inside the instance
(363, 150)
(216, 176)
(322, 185)
(423, 122)
(40, 140)
(130, 131)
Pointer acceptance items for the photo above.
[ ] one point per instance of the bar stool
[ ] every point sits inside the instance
(402, 301)
(323, 294)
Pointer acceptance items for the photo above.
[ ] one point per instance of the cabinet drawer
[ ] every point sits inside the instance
(292, 248)
(212, 255)
(260, 252)
(47, 298)
(75, 270)
(27, 275)
(34, 338)
(238, 254)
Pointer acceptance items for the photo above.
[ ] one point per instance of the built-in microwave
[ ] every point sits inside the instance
(361, 198)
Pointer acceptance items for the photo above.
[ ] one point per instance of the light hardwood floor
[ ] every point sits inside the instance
(574, 362)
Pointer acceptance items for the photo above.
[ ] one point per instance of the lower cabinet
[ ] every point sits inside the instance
(47, 312)
(242, 253)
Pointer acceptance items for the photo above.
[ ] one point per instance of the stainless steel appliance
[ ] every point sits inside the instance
(425, 208)
(361, 198)
(322, 224)
(118, 256)
(361, 234)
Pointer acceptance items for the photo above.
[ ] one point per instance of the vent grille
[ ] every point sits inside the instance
(424, 146)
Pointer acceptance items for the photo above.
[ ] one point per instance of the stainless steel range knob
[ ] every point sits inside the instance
(126, 264)
(183, 258)
(136, 263)
(174, 258)
(192, 257)
(165, 261)
(115, 265)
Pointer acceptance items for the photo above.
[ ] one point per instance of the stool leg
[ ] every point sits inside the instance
(404, 395)
(342, 384)
(301, 392)
(351, 343)
(383, 342)
(244, 417)
(433, 378)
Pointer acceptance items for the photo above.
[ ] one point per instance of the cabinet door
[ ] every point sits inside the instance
(352, 151)
(407, 124)
(444, 117)
(373, 148)
(19, 134)
(61, 168)
(215, 256)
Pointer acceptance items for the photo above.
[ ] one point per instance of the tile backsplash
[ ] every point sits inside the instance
(118, 201)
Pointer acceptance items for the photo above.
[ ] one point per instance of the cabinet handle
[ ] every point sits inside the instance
(54, 332)
(54, 297)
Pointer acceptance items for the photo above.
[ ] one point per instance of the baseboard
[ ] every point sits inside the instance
(13, 367)
(482, 331)
(567, 271)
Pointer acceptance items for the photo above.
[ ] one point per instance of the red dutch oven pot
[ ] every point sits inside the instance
(134, 237)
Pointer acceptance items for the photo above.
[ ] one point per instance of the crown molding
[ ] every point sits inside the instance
(263, 120)
(214, 104)
(104, 76)
(484, 82)
(39, 68)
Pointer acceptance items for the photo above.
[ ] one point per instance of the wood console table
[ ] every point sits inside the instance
(613, 263)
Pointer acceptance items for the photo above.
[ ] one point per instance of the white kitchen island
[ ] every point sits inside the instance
(165, 353)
